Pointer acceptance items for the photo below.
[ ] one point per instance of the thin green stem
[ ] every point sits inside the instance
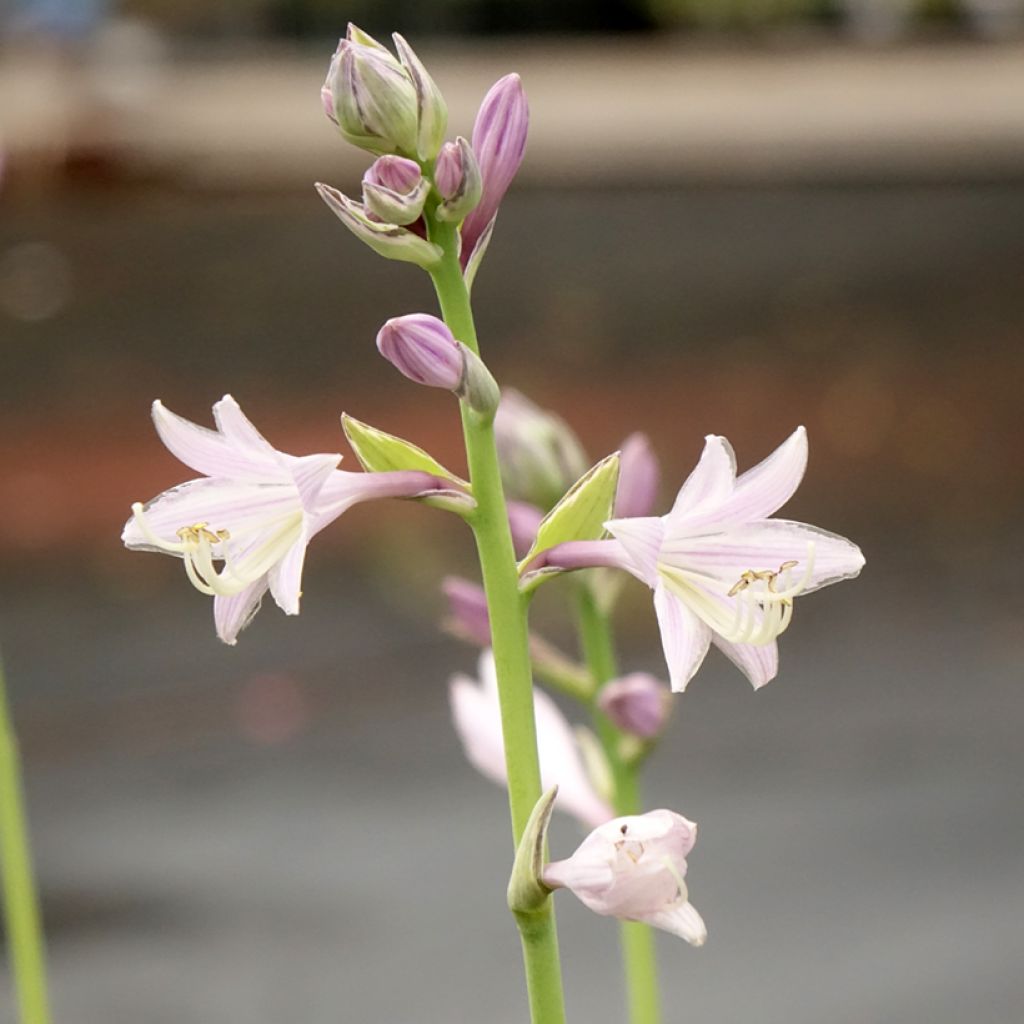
(21, 901)
(509, 635)
(638, 952)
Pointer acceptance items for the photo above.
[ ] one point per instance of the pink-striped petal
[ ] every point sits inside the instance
(682, 920)
(238, 429)
(232, 614)
(310, 473)
(285, 578)
(759, 663)
(684, 637)
(641, 538)
(711, 482)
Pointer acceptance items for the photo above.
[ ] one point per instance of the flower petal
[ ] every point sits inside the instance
(479, 727)
(310, 473)
(232, 614)
(712, 479)
(763, 490)
(682, 920)
(765, 545)
(237, 428)
(684, 637)
(285, 578)
(759, 663)
(205, 450)
(642, 540)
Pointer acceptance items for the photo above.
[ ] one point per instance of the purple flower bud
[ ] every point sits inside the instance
(395, 173)
(637, 704)
(499, 142)
(448, 170)
(458, 180)
(467, 606)
(524, 521)
(639, 476)
(422, 348)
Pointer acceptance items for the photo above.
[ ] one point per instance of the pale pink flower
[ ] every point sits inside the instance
(477, 715)
(254, 511)
(633, 868)
(637, 704)
(721, 570)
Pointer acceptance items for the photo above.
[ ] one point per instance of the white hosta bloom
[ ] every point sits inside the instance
(242, 528)
(477, 715)
(722, 571)
(633, 868)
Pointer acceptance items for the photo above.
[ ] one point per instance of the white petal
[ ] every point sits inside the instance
(712, 479)
(759, 663)
(310, 473)
(285, 578)
(766, 545)
(222, 505)
(562, 766)
(232, 614)
(684, 637)
(206, 451)
(642, 540)
(763, 490)
(682, 920)
(478, 723)
(588, 876)
(235, 426)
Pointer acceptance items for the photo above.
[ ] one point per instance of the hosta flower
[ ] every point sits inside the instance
(242, 528)
(721, 569)
(477, 716)
(633, 868)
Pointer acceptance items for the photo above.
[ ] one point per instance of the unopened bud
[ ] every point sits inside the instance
(638, 704)
(499, 142)
(394, 190)
(639, 477)
(467, 606)
(422, 348)
(381, 103)
(458, 180)
(388, 239)
(540, 455)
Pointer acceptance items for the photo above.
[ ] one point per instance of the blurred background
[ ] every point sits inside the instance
(735, 216)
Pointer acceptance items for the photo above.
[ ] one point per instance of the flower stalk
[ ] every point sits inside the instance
(638, 952)
(22, 918)
(509, 634)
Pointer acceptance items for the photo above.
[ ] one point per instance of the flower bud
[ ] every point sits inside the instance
(540, 455)
(467, 605)
(394, 190)
(431, 109)
(524, 520)
(390, 240)
(633, 868)
(423, 349)
(638, 704)
(457, 177)
(373, 101)
(639, 477)
(499, 142)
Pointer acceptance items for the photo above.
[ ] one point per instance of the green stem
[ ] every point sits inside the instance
(638, 952)
(21, 901)
(509, 635)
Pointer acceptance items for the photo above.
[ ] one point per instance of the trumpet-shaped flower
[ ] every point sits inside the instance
(253, 511)
(633, 868)
(721, 569)
(477, 715)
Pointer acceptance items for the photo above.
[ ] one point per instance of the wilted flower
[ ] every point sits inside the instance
(633, 868)
(499, 142)
(637, 704)
(722, 571)
(477, 714)
(254, 511)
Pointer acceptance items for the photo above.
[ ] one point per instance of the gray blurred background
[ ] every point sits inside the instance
(734, 216)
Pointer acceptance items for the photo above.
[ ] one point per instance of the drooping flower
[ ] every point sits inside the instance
(253, 511)
(477, 716)
(721, 569)
(633, 868)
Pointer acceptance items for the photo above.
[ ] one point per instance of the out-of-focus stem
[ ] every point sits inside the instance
(509, 634)
(638, 952)
(21, 901)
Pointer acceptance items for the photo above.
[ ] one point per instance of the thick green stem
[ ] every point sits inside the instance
(21, 901)
(509, 635)
(638, 952)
